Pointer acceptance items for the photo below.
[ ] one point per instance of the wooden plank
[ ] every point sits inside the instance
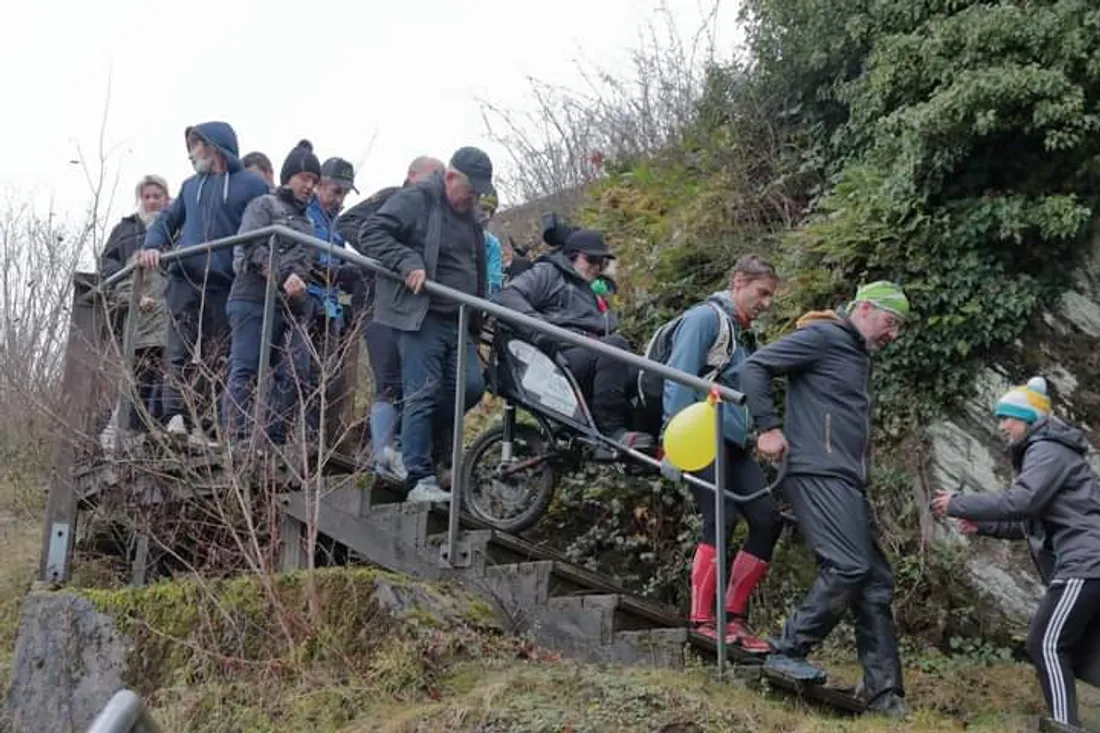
(836, 697)
(83, 358)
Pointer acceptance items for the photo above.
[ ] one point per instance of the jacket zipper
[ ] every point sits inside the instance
(829, 433)
(866, 424)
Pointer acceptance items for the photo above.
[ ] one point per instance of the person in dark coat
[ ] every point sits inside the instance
(381, 340)
(260, 164)
(287, 205)
(209, 206)
(127, 237)
(430, 231)
(558, 289)
(1054, 503)
(827, 362)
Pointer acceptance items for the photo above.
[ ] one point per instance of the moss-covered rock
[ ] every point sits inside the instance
(348, 626)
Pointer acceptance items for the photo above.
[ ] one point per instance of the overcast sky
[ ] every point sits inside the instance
(341, 73)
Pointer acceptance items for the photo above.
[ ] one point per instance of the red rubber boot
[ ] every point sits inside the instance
(704, 584)
(746, 574)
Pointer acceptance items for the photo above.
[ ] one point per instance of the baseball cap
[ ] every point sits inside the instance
(475, 165)
(589, 243)
(341, 171)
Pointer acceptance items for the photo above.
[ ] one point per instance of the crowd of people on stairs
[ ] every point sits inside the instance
(198, 326)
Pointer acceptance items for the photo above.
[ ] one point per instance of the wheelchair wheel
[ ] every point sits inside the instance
(510, 496)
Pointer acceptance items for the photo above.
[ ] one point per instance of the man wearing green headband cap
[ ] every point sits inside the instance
(828, 420)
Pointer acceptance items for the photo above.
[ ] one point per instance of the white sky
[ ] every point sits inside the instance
(407, 74)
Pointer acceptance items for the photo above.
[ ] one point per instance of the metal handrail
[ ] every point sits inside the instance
(125, 712)
(433, 288)
(466, 302)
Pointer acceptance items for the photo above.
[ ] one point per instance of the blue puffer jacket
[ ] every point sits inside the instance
(209, 206)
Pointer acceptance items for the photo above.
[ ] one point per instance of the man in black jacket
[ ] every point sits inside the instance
(558, 289)
(430, 231)
(828, 417)
(381, 340)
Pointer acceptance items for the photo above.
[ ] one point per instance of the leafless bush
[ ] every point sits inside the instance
(214, 510)
(566, 139)
(38, 256)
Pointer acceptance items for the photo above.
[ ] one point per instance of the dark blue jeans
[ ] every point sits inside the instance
(428, 362)
(246, 320)
(196, 348)
(308, 341)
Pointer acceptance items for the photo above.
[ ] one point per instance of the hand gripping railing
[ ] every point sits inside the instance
(125, 712)
(466, 302)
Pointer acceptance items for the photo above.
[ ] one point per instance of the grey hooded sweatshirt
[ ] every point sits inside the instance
(1054, 502)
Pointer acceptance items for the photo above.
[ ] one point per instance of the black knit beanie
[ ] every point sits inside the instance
(300, 159)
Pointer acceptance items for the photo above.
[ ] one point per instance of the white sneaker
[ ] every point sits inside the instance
(391, 459)
(176, 426)
(427, 491)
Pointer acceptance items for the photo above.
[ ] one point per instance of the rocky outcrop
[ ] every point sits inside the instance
(69, 660)
(968, 453)
(76, 649)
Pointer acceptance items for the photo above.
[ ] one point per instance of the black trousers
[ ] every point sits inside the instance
(836, 519)
(743, 476)
(607, 383)
(1064, 643)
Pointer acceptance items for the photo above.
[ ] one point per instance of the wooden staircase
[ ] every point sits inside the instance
(583, 614)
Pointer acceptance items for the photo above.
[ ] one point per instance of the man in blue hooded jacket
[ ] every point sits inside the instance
(209, 206)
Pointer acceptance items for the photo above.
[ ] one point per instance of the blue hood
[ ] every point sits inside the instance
(209, 206)
(222, 137)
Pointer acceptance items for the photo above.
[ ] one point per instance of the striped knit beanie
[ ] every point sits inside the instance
(1028, 402)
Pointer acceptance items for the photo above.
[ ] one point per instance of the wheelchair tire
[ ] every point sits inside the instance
(537, 484)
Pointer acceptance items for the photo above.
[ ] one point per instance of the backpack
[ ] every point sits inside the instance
(651, 386)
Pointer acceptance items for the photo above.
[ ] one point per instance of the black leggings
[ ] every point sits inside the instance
(743, 476)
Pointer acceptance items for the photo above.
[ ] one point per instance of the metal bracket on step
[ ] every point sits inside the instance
(463, 557)
(57, 559)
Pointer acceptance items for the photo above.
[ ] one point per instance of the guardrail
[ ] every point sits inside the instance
(125, 712)
(57, 545)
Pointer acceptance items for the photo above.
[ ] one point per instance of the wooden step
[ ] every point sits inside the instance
(370, 536)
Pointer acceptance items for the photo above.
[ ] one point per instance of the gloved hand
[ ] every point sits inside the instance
(671, 472)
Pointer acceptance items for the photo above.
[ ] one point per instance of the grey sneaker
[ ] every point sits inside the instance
(427, 490)
(392, 462)
(796, 668)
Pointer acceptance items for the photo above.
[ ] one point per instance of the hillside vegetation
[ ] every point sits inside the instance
(950, 145)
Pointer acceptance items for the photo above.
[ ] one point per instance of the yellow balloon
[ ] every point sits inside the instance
(690, 437)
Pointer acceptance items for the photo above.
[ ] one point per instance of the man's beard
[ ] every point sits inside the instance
(202, 165)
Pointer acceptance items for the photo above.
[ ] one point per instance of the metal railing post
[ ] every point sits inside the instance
(459, 428)
(260, 399)
(125, 712)
(720, 537)
(129, 355)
